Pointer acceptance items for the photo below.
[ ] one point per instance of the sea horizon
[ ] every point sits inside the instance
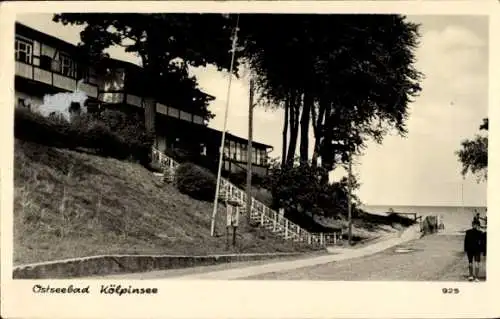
(422, 208)
(456, 218)
(400, 205)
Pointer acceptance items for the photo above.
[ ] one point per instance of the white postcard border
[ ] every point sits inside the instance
(249, 299)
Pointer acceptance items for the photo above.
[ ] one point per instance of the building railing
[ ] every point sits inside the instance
(55, 79)
(259, 211)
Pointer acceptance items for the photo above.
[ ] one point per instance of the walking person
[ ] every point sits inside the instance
(477, 218)
(474, 247)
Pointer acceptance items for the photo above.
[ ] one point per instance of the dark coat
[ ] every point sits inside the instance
(483, 250)
(474, 241)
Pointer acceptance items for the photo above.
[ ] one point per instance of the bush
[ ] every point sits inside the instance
(305, 193)
(195, 181)
(110, 133)
(107, 143)
(263, 196)
(53, 130)
(240, 179)
(131, 134)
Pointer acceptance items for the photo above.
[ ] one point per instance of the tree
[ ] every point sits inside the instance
(166, 43)
(297, 189)
(302, 190)
(473, 154)
(350, 76)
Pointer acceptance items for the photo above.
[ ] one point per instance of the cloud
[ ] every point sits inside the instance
(446, 56)
(457, 36)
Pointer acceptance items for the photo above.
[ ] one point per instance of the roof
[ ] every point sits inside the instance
(206, 133)
(231, 136)
(29, 32)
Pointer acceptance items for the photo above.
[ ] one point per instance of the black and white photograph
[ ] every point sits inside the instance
(251, 147)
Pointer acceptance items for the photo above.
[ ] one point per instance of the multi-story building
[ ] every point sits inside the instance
(46, 65)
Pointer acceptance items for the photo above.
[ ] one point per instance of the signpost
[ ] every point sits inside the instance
(232, 220)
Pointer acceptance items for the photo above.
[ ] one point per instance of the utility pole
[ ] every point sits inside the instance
(249, 151)
(349, 186)
(223, 140)
(462, 188)
(349, 191)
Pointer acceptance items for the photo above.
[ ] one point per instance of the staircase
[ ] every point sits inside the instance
(260, 213)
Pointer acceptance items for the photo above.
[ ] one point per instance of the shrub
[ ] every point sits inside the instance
(53, 130)
(110, 133)
(263, 196)
(240, 179)
(195, 181)
(135, 140)
(106, 142)
(154, 167)
(305, 193)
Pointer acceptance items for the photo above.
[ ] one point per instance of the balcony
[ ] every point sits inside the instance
(54, 79)
(112, 97)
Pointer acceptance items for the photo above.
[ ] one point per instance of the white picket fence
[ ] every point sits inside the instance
(260, 213)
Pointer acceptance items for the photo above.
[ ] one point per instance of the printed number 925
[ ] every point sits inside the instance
(451, 290)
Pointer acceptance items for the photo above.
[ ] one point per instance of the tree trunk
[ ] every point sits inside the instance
(285, 133)
(314, 159)
(304, 128)
(317, 122)
(149, 115)
(317, 138)
(150, 64)
(294, 126)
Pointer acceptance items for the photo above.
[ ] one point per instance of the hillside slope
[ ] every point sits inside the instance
(71, 204)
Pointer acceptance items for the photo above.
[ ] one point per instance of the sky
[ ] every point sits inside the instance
(420, 169)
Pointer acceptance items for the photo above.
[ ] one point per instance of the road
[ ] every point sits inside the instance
(431, 258)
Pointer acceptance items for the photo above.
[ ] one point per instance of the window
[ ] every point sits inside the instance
(243, 153)
(257, 160)
(233, 150)
(24, 51)
(68, 66)
(92, 75)
(226, 151)
(254, 156)
(45, 62)
(238, 152)
(263, 157)
(82, 74)
(55, 65)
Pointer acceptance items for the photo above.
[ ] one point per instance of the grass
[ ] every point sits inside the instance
(73, 204)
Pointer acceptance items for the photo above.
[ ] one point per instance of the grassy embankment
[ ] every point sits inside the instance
(72, 204)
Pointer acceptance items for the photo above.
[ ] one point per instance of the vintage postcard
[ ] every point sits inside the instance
(249, 159)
